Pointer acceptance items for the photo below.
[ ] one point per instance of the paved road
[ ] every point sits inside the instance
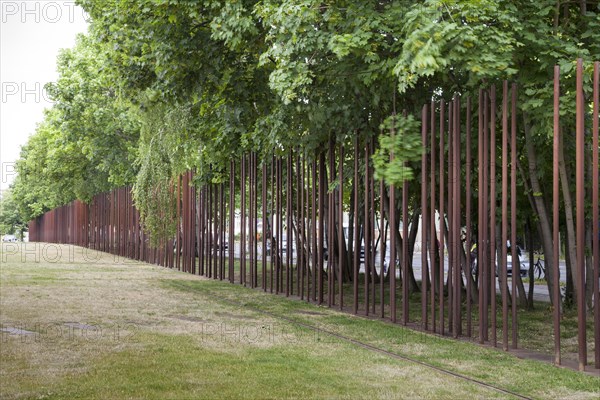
(540, 291)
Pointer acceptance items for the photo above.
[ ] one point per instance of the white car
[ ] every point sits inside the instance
(9, 238)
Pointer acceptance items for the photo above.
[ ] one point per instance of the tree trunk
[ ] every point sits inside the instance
(531, 275)
(569, 218)
(539, 205)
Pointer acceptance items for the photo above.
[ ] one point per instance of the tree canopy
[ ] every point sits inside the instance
(159, 87)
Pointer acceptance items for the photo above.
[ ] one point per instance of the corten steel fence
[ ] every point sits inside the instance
(283, 224)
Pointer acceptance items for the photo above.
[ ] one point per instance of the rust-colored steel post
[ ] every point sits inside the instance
(367, 230)
(580, 216)
(468, 222)
(341, 242)
(556, 217)
(186, 222)
(405, 261)
(214, 249)
(277, 250)
(331, 229)
(288, 227)
(215, 231)
(382, 249)
(492, 227)
(315, 249)
(231, 247)
(504, 221)
(297, 215)
(424, 222)
(209, 237)
(255, 217)
(372, 227)
(265, 224)
(513, 204)
(201, 228)
(178, 242)
(321, 213)
(272, 221)
(243, 237)
(393, 231)
(252, 233)
(307, 224)
(450, 238)
(441, 208)
(484, 264)
(595, 213)
(432, 210)
(356, 254)
(222, 219)
(457, 223)
(480, 214)
(300, 267)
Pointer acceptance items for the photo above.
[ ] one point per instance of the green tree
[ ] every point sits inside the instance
(11, 219)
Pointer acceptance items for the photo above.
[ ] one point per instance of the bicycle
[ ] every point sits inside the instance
(539, 268)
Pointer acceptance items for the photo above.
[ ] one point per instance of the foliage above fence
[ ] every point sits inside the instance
(175, 85)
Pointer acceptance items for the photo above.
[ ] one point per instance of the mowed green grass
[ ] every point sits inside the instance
(107, 328)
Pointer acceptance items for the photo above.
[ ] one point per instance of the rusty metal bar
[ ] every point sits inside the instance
(271, 227)
(322, 185)
(451, 239)
(484, 261)
(382, 247)
(367, 230)
(341, 242)
(372, 228)
(243, 238)
(331, 231)
(178, 253)
(202, 230)
(457, 222)
(315, 248)
(513, 204)
(580, 216)
(215, 248)
(468, 222)
(265, 224)
(222, 220)
(255, 237)
(492, 226)
(480, 213)
(595, 213)
(279, 208)
(300, 267)
(356, 254)
(209, 241)
(504, 222)
(405, 261)
(432, 210)
(382, 250)
(442, 216)
(251, 225)
(231, 247)
(288, 227)
(424, 221)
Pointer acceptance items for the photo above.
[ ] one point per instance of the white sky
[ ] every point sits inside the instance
(31, 34)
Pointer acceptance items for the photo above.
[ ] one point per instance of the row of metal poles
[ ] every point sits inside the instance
(320, 227)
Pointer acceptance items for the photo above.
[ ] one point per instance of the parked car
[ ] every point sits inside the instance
(509, 262)
(9, 238)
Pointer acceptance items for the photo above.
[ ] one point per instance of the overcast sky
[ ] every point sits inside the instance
(31, 34)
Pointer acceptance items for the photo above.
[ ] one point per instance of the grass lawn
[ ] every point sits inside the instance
(76, 323)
